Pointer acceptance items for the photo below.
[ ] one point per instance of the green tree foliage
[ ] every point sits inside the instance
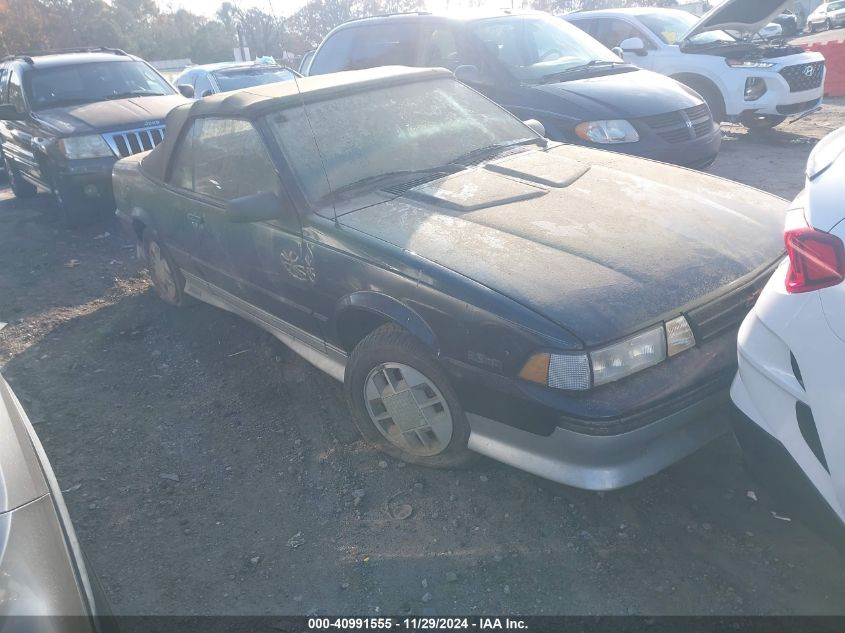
(143, 28)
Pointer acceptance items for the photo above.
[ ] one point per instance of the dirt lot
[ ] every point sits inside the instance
(210, 470)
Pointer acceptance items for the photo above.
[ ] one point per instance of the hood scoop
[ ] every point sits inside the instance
(474, 189)
(542, 168)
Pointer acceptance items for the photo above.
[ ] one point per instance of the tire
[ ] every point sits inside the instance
(761, 121)
(711, 94)
(167, 280)
(390, 360)
(20, 187)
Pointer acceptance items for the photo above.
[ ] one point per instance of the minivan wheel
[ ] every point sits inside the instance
(20, 187)
(402, 402)
(761, 121)
(167, 281)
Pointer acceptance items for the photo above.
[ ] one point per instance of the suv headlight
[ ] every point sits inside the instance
(617, 131)
(93, 146)
(747, 63)
(582, 371)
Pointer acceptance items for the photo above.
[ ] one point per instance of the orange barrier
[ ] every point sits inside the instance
(834, 58)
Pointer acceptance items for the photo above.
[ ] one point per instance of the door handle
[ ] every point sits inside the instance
(195, 219)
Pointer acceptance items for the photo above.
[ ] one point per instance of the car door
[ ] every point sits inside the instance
(264, 264)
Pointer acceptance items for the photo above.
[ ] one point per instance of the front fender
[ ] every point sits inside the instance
(388, 308)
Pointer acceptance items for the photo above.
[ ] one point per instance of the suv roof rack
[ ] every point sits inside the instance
(28, 55)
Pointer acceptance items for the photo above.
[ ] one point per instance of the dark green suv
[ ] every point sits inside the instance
(67, 116)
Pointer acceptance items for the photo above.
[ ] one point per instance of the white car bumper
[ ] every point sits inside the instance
(790, 386)
(789, 91)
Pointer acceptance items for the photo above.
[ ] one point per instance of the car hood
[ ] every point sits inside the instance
(629, 94)
(600, 243)
(738, 15)
(21, 479)
(106, 116)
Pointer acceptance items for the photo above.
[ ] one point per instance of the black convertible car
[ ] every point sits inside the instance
(569, 311)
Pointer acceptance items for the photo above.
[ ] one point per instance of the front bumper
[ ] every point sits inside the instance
(87, 181)
(603, 462)
(778, 100)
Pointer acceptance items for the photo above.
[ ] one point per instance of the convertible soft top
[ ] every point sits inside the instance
(256, 100)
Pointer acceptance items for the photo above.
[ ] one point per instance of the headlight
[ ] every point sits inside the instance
(93, 146)
(748, 63)
(578, 372)
(755, 87)
(619, 131)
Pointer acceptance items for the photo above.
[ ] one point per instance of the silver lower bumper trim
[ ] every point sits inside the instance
(595, 462)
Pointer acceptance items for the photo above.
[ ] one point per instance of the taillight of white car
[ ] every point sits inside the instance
(816, 260)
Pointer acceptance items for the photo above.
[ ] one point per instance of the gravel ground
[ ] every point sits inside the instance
(210, 470)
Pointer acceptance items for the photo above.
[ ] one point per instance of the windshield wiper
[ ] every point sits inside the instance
(496, 148)
(135, 93)
(593, 64)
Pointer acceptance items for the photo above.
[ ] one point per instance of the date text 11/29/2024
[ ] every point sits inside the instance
(417, 624)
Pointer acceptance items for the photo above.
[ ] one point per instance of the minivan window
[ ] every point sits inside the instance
(96, 81)
(367, 47)
(533, 46)
(401, 128)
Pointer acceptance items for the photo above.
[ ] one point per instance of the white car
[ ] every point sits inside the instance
(771, 31)
(753, 82)
(790, 387)
(827, 16)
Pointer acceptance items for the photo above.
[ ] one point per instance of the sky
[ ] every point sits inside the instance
(287, 7)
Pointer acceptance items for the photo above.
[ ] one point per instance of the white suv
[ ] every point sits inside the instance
(757, 84)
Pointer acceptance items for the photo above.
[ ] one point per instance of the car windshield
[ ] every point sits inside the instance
(671, 27)
(533, 47)
(396, 130)
(246, 77)
(97, 81)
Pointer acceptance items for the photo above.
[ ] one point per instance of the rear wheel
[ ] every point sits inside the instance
(402, 402)
(167, 280)
(761, 121)
(20, 187)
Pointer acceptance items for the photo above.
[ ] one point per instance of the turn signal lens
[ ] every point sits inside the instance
(536, 369)
(679, 336)
(816, 260)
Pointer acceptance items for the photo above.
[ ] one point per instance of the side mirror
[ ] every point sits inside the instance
(617, 50)
(634, 45)
(8, 112)
(206, 93)
(257, 207)
(468, 74)
(187, 90)
(535, 125)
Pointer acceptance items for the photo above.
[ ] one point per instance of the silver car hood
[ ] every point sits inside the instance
(738, 15)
